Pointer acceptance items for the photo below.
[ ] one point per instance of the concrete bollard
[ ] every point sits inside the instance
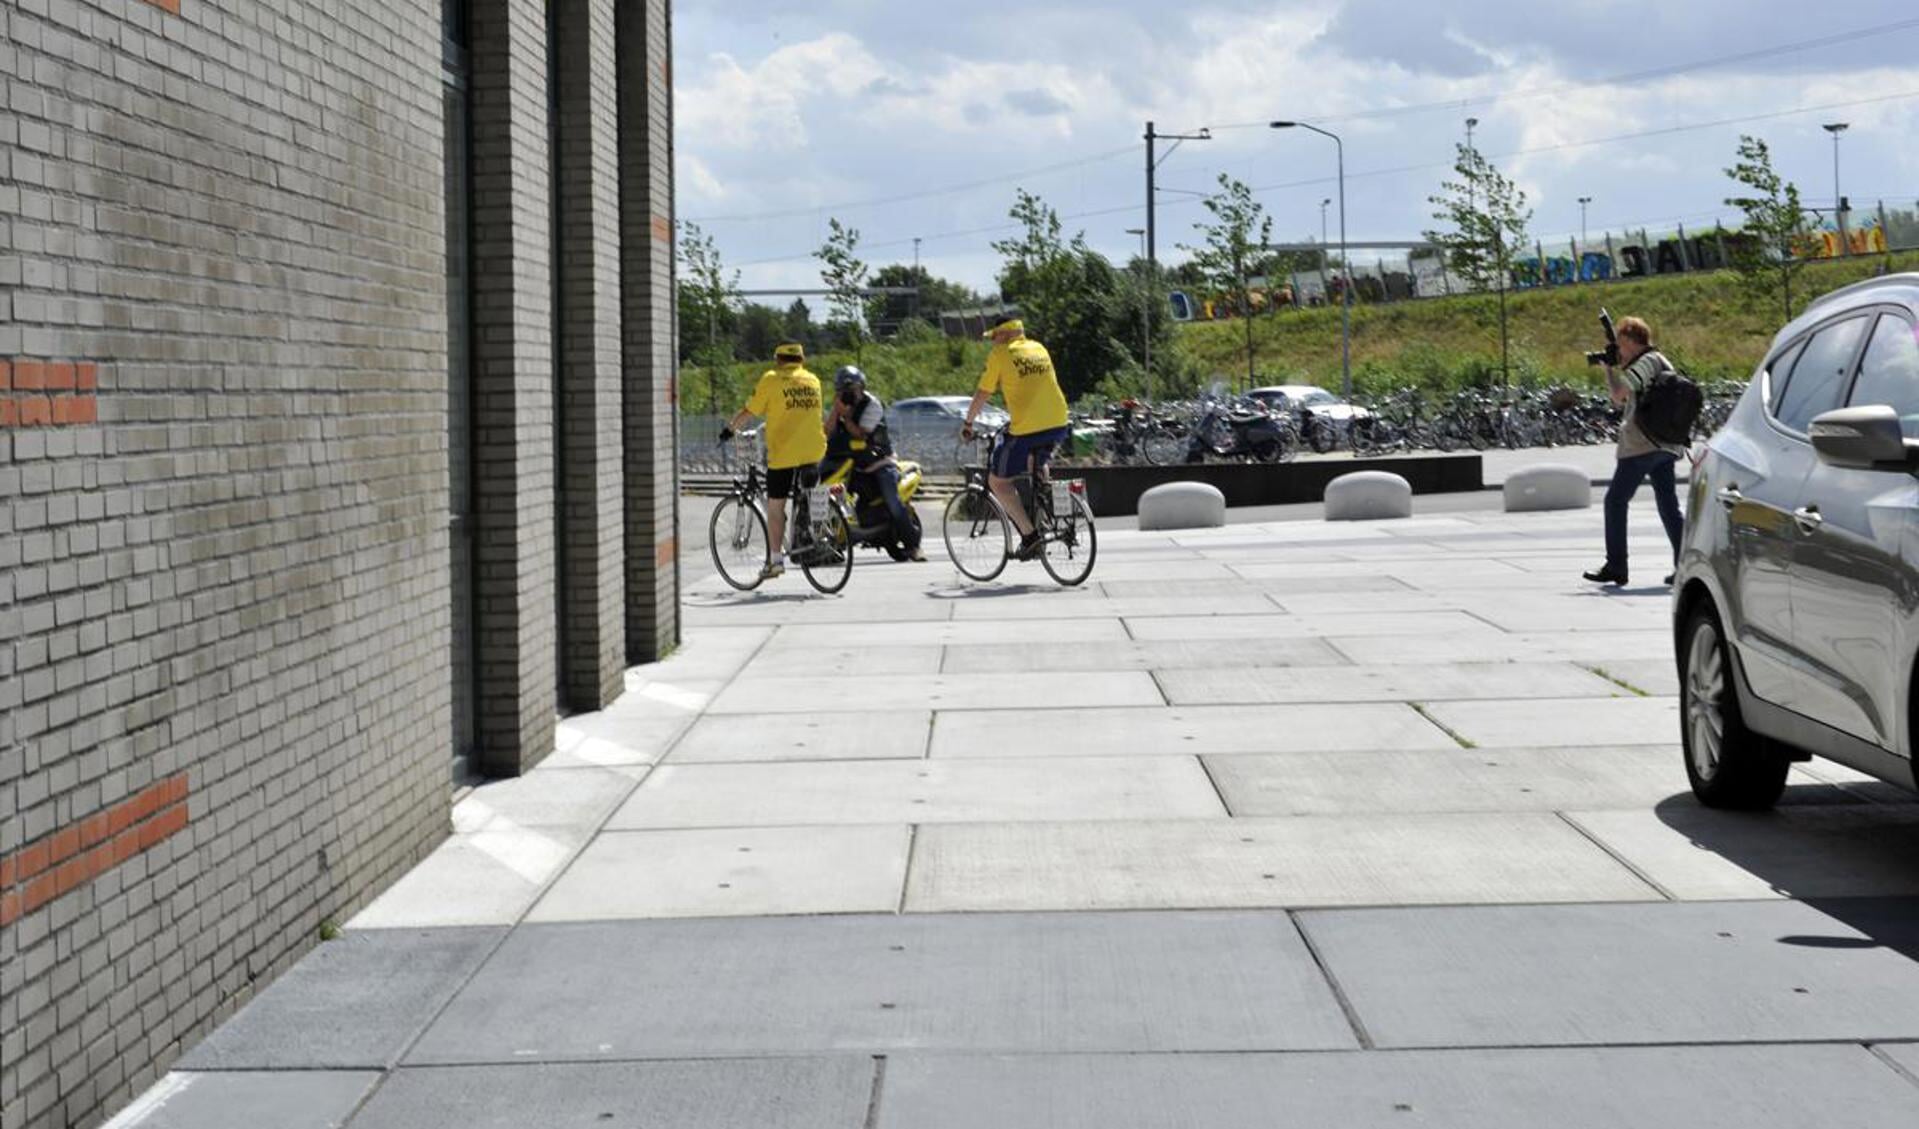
(1182, 505)
(1368, 495)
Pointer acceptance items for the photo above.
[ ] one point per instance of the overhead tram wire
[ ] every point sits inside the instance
(1393, 171)
(1614, 80)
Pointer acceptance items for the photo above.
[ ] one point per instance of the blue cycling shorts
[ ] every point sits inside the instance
(1021, 454)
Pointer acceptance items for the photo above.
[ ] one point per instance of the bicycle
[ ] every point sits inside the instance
(979, 534)
(737, 537)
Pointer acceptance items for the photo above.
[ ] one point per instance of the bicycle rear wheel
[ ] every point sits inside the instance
(736, 536)
(828, 564)
(977, 534)
(1162, 447)
(1071, 544)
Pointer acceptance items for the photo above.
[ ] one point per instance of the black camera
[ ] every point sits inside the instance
(1610, 354)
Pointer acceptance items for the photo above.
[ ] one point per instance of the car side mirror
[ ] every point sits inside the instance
(1867, 438)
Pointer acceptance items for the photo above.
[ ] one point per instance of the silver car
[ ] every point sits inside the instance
(1796, 603)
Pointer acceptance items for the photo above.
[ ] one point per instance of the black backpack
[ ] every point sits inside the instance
(1668, 406)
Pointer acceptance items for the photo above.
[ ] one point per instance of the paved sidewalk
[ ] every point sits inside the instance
(1297, 823)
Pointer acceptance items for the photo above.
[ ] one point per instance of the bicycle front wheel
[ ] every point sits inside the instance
(736, 536)
(1162, 448)
(1071, 544)
(977, 533)
(828, 564)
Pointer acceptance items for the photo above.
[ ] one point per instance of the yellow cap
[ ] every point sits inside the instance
(790, 352)
(1013, 324)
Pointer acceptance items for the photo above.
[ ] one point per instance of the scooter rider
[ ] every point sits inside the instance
(861, 418)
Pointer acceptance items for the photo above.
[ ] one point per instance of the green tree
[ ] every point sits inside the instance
(799, 325)
(845, 276)
(1774, 221)
(888, 311)
(1485, 217)
(707, 297)
(1233, 245)
(1070, 298)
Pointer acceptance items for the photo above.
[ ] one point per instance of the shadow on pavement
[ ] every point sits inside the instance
(1771, 846)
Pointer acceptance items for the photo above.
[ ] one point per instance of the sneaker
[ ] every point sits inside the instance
(1029, 547)
(773, 570)
(1669, 578)
(916, 554)
(1606, 574)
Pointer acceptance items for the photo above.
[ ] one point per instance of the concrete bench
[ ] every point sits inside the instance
(1368, 495)
(1182, 505)
(1548, 486)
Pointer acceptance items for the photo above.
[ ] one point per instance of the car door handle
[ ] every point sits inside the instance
(1808, 518)
(1730, 497)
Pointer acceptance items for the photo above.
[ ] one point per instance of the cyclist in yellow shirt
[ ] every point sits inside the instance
(1021, 370)
(788, 398)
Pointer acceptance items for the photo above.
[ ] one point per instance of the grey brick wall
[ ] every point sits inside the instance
(225, 607)
(232, 567)
(593, 464)
(652, 386)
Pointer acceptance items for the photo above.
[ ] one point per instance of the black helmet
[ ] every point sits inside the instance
(849, 374)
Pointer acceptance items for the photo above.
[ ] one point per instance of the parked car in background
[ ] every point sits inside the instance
(1796, 600)
(924, 414)
(1308, 403)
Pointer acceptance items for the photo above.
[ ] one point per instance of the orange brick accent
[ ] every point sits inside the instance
(9, 413)
(86, 375)
(29, 375)
(41, 375)
(35, 411)
(171, 7)
(69, 858)
(666, 552)
(662, 229)
(6, 376)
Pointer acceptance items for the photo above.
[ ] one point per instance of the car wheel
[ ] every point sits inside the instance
(1729, 765)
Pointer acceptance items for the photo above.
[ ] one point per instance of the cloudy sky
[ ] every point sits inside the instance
(905, 118)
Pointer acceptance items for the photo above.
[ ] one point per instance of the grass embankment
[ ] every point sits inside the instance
(1710, 323)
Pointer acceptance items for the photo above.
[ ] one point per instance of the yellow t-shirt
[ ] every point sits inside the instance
(1022, 371)
(788, 397)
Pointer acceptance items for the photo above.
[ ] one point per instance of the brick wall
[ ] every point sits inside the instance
(226, 606)
(223, 593)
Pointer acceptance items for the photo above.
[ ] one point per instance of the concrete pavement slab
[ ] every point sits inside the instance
(902, 792)
(1402, 683)
(480, 878)
(1649, 974)
(1905, 1056)
(1533, 611)
(277, 1099)
(797, 1093)
(712, 652)
(1188, 729)
(940, 692)
(1401, 599)
(1825, 851)
(1325, 581)
(355, 1001)
(731, 873)
(1170, 587)
(1575, 1088)
(803, 605)
(807, 637)
(1562, 721)
(1167, 625)
(1499, 646)
(844, 661)
(844, 735)
(546, 797)
(1169, 654)
(600, 740)
(1010, 984)
(1653, 675)
(1456, 780)
(1329, 860)
(1272, 573)
(1131, 568)
(1068, 603)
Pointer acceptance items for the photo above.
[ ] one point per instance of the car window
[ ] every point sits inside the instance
(1819, 376)
(1778, 371)
(1319, 398)
(1889, 374)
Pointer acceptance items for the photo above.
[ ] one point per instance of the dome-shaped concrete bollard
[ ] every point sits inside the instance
(1182, 505)
(1548, 486)
(1368, 495)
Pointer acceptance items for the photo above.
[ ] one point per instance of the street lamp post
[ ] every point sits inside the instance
(1583, 201)
(1838, 201)
(1345, 276)
(1153, 138)
(1145, 317)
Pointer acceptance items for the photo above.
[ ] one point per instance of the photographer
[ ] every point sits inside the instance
(859, 420)
(1631, 366)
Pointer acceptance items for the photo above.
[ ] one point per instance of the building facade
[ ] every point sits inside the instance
(336, 460)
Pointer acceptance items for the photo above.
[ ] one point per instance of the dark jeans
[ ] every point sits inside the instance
(887, 479)
(1658, 466)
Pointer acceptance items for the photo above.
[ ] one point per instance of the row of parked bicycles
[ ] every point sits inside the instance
(1276, 425)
